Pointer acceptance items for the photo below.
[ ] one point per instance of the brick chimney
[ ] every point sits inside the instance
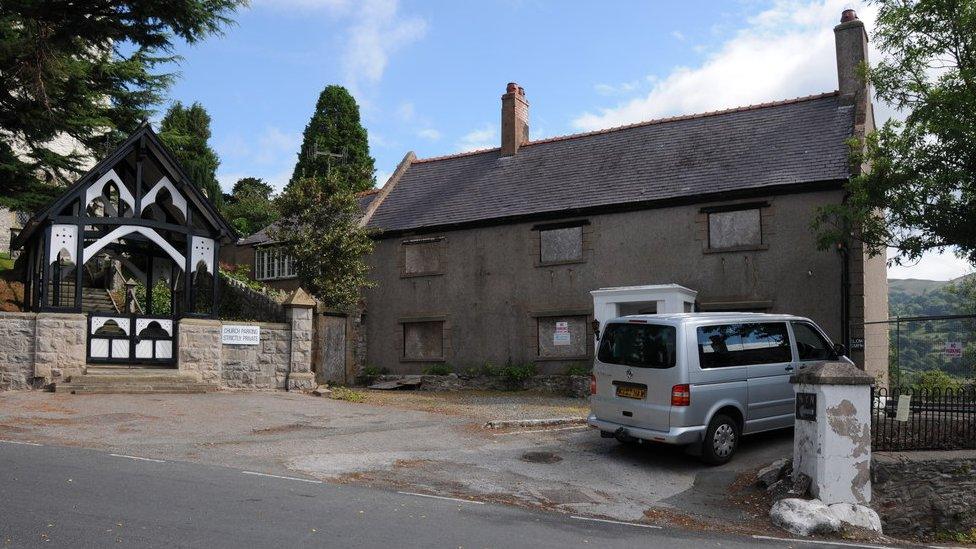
(515, 119)
(852, 50)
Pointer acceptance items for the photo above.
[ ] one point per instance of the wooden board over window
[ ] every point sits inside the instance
(423, 340)
(561, 245)
(422, 256)
(734, 229)
(563, 337)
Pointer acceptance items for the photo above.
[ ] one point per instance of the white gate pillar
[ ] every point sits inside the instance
(832, 439)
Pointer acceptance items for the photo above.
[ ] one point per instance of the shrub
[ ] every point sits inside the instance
(515, 374)
(935, 379)
(580, 369)
(438, 370)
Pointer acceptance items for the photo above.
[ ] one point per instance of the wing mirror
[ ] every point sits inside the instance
(596, 328)
(839, 350)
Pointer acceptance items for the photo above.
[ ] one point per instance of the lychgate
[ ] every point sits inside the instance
(133, 244)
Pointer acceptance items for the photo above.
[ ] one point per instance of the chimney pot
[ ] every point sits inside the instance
(511, 88)
(848, 15)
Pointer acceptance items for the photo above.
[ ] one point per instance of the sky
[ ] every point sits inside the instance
(428, 75)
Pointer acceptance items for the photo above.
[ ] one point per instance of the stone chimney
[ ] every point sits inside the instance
(852, 51)
(515, 119)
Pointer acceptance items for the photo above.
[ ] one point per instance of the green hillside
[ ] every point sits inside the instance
(917, 348)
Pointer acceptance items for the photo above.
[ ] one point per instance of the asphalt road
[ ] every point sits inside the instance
(69, 497)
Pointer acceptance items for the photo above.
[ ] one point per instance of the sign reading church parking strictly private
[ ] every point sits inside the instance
(231, 334)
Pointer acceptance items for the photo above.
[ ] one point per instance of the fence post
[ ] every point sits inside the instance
(832, 439)
(300, 306)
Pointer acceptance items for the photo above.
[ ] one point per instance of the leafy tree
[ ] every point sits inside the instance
(320, 229)
(335, 142)
(86, 72)
(185, 130)
(920, 191)
(250, 206)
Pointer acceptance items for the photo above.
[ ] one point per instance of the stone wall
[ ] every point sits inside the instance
(925, 494)
(17, 350)
(262, 366)
(37, 349)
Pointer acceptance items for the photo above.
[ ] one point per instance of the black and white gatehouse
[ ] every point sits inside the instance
(133, 244)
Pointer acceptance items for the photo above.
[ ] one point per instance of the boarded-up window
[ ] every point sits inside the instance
(562, 336)
(565, 244)
(735, 229)
(423, 256)
(423, 340)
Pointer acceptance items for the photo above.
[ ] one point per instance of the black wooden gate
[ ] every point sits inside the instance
(131, 339)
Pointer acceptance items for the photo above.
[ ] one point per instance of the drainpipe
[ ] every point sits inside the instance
(845, 295)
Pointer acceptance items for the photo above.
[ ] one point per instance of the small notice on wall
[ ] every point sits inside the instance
(953, 349)
(561, 335)
(231, 334)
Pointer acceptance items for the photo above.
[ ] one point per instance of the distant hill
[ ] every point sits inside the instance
(917, 297)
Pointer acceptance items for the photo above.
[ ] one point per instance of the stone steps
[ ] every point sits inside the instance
(123, 380)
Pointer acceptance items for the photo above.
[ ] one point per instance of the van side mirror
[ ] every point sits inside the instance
(839, 350)
(596, 329)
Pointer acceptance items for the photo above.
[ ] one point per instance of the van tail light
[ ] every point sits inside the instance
(681, 395)
(592, 384)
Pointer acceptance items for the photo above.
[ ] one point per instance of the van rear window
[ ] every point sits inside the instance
(639, 345)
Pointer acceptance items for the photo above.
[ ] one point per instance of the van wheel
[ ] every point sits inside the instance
(721, 440)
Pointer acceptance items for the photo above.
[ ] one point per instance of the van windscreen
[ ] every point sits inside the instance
(639, 345)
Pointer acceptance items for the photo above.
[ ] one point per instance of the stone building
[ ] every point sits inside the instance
(268, 263)
(484, 256)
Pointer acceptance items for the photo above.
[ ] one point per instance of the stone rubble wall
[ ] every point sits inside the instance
(925, 495)
(575, 386)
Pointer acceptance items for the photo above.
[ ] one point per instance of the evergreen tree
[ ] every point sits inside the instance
(335, 143)
(320, 230)
(185, 131)
(250, 206)
(88, 71)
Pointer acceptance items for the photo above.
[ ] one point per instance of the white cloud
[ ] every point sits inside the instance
(618, 89)
(678, 35)
(483, 138)
(786, 51)
(932, 266)
(429, 133)
(377, 31)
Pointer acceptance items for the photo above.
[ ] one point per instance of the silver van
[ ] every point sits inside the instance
(700, 379)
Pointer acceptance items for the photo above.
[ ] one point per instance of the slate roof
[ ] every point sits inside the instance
(364, 199)
(763, 146)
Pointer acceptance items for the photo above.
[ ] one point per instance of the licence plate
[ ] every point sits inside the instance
(627, 391)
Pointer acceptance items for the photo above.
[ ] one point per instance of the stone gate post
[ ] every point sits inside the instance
(300, 307)
(832, 440)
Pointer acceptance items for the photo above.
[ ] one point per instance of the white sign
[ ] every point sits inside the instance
(904, 407)
(561, 335)
(953, 349)
(240, 335)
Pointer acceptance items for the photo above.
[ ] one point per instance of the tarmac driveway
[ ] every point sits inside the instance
(423, 442)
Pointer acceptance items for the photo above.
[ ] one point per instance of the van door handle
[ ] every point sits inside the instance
(789, 368)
